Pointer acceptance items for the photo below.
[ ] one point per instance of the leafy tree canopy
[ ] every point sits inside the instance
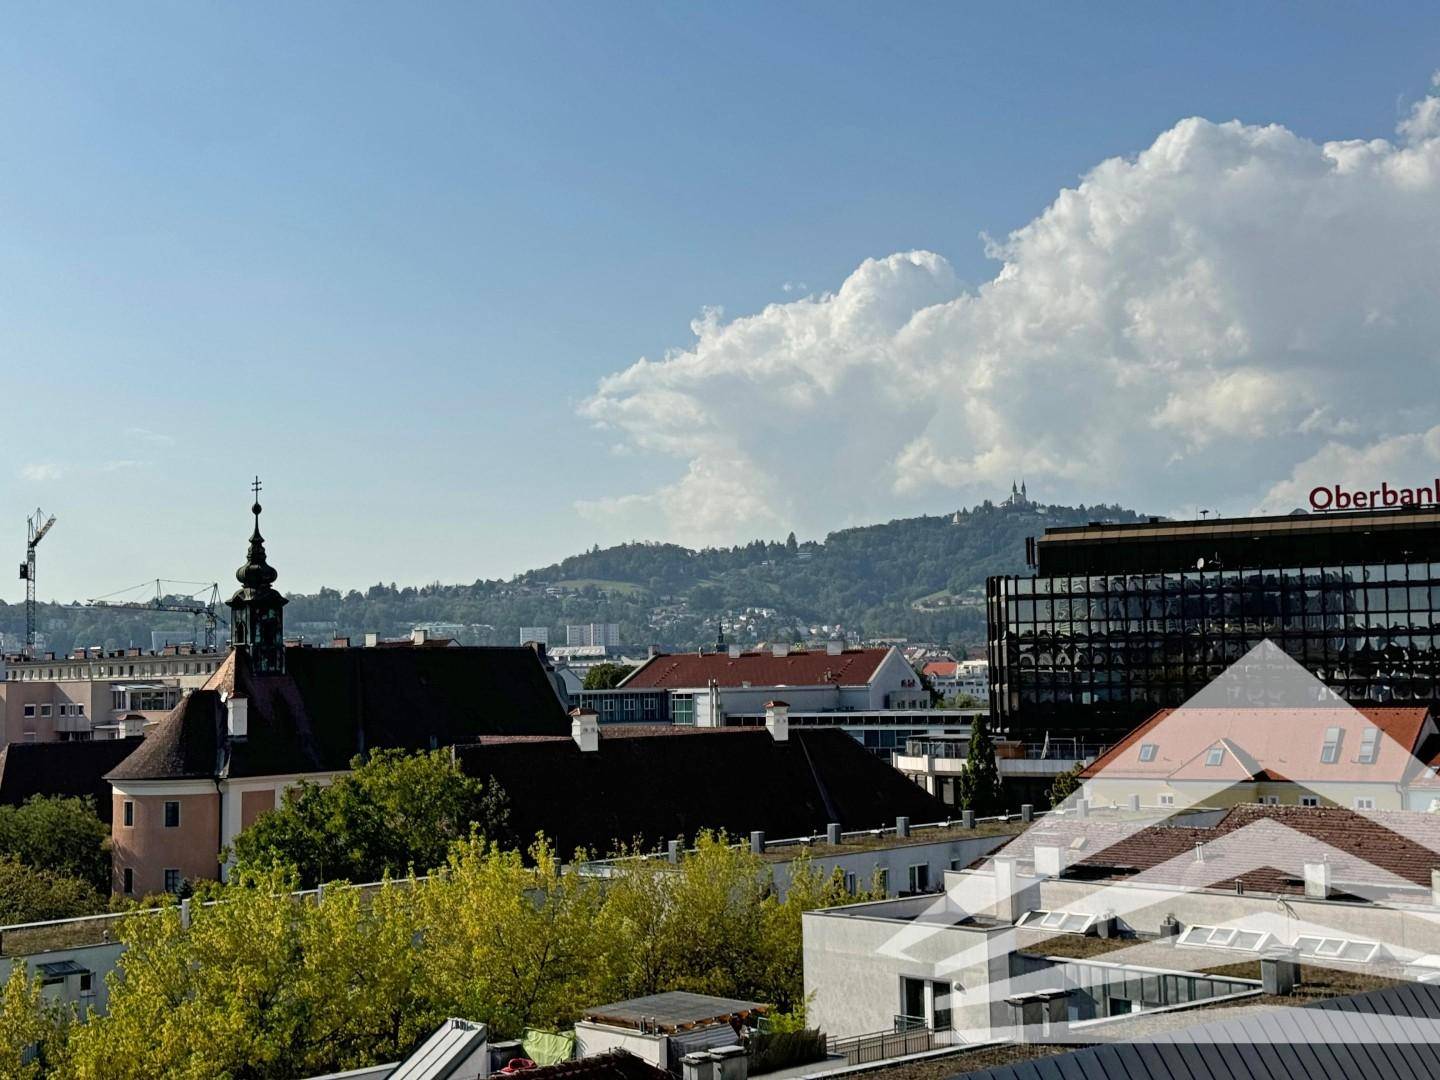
(267, 983)
(394, 811)
(60, 835)
(606, 676)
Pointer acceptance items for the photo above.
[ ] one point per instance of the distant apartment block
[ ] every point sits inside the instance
(873, 694)
(950, 678)
(604, 634)
(95, 694)
(535, 633)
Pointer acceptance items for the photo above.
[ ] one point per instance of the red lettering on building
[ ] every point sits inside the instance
(1334, 497)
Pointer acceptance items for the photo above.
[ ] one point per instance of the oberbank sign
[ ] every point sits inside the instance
(1335, 497)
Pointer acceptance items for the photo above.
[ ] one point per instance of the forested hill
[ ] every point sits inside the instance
(918, 578)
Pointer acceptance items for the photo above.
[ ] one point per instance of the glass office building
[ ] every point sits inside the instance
(1120, 620)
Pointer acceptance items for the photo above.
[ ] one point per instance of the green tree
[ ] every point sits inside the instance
(606, 676)
(1065, 785)
(60, 834)
(30, 895)
(32, 1029)
(512, 942)
(261, 983)
(394, 811)
(979, 788)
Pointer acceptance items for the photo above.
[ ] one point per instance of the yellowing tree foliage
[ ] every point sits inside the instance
(256, 980)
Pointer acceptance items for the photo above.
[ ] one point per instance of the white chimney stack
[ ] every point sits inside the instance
(834, 648)
(585, 729)
(1317, 880)
(237, 716)
(1048, 860)
(419, 636)
(777, 720)
(735, 652)
(1007, 900)
(780, 650)
(371, 639)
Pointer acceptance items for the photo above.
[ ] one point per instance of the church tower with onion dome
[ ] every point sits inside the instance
(257, 622)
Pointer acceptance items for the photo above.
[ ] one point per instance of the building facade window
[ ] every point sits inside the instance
(919, 878)
(29, 712)
(1167, 800)
(1106, 649)
(1309, 800)
(128, 878)
(172, 815)
(128, 814)
(1364, 803)
(172, 880)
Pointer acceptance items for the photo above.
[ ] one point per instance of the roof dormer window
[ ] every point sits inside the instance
(1330, 752)
(1147, 751)
(1216, 755)
(1369, 746)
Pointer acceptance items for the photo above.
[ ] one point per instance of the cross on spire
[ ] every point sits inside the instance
(255, 487)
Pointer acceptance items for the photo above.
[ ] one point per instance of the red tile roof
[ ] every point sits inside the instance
(1268, 743)
(941, 668)
(681, 671)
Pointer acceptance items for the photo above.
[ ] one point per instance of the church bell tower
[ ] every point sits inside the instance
(257, 621)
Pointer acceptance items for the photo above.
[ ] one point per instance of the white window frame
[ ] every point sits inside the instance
(1167, 800)
(1369, 746)
(1215, 756)
(1309, 800)
(1148, 751)
(1364, 802)
(1330, 749)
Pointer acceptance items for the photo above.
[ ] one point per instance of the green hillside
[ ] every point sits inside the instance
(918, 578)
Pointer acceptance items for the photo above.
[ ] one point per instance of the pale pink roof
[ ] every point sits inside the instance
(1261, 743)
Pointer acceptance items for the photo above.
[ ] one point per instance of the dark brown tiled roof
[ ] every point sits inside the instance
(1261, 846)
(853, 667)
(62, 768)
(661, 783)
(335, 703)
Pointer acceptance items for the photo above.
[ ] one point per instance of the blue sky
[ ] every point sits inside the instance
(383, 254)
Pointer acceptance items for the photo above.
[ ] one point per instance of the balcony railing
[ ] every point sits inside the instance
(952, 749)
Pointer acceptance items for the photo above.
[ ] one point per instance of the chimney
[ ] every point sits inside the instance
(340, 643)
(1048, 861)
(419, 636)
(777, 720)
(1279, 972)
(371, 639)
(1007, 888)
(237, 717)
(834, 648)
(780, 650)
(735, 651)
(902, 828)
(585, 729)
(833, 836)
(1317, 880)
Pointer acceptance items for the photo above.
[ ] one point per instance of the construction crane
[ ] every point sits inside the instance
(37, 527)
(203, 610)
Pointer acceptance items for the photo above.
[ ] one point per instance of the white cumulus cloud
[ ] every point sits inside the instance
(1209, 322)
